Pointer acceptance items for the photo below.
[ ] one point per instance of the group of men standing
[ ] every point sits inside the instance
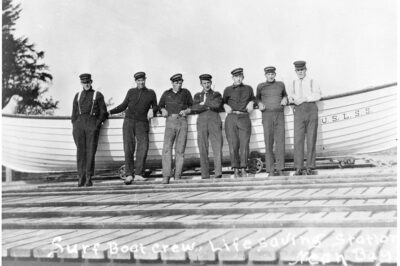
(238, 101)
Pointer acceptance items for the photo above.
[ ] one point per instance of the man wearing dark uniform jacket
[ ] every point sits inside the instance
(304, 94)
(208, 104)
(271, 97)
(88, 113)
(141, 103)
(175, 105)
(238, 102)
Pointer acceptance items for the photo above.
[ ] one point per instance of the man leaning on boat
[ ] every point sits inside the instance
(304, 94)
(271, 97)
(88, 113)
(238, 102)
(175, 105)
(208, 104)
(141, 105)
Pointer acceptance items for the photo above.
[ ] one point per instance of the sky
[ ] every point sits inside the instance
(348, 45)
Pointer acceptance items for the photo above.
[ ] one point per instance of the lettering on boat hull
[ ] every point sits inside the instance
(345, 115)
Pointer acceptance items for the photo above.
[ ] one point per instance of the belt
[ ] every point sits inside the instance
(239, 112)
(94, 115)
(176, 116)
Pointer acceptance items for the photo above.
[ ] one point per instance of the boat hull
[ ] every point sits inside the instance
(355, 123)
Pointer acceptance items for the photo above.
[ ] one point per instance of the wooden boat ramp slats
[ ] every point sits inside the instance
(329, 245)
(326, 219)
(202, 197)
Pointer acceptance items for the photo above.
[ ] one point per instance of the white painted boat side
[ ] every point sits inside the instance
(358, 123)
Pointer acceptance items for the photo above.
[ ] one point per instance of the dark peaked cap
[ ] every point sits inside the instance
(205, 77)
(237, 71)
(85, 77)
(139, 75)
(269, 69)
(176, 77)
(299, 64)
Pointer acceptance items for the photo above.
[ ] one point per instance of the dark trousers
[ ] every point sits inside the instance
(86, 137)
(238, 132)
(176, 129)
(274, 131)
(135, 131)
(209, 125)
(305, 126)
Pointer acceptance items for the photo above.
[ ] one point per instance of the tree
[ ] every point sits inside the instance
(24, 73)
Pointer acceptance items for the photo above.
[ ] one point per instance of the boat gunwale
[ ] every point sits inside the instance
(329, 97)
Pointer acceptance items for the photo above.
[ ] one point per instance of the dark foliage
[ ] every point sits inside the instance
(23, 71)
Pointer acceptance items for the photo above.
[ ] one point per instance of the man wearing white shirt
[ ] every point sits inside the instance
(304, 93)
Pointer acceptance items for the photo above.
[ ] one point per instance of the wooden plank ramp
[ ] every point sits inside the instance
(334, 218)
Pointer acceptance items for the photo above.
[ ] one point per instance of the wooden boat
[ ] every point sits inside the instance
(352, 123)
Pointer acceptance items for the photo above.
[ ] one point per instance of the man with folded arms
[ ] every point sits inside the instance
(141, 105)
(175, 105)
(208, 104)
(271, 97)
(238, 102)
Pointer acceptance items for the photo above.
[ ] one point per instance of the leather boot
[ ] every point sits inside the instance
(165, 180)
(81, 181)
(236, 173)
(88, 182)
(309, 171)
(272, 173)
(298, 172)
(128, 180)
(243, 172)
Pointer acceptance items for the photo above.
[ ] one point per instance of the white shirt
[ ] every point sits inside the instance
(305, 88)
